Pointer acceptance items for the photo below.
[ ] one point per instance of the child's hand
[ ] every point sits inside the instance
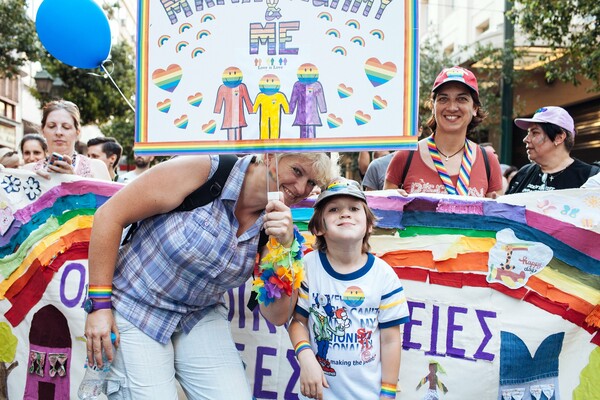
(312, 378)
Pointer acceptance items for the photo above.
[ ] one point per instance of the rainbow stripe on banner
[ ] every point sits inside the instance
(288, 145)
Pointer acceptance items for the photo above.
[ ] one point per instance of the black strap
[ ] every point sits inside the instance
(211, 189)
(594, 170)
(205, 194)
(487, 164)
(406, 167)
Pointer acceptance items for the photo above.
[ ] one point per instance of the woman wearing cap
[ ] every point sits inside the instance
(448, 162)
(550, 138)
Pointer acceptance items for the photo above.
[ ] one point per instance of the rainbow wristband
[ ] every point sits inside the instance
(302, 345)
(388, 391)
(99, 292)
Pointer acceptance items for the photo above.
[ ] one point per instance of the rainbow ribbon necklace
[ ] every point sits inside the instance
(464, 175)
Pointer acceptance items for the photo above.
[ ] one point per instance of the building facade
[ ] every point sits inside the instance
(460, 24)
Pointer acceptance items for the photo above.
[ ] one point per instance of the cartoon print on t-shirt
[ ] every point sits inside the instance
(327, 322)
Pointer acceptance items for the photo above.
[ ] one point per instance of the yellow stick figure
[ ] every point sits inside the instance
(271, 102)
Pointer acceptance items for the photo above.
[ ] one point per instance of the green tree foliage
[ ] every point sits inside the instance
(18, 39)
(98, 99)
(571, 26)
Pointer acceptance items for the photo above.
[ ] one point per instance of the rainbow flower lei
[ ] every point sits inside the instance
(281, 270)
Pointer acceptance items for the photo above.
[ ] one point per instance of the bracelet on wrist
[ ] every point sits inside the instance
(388, 391)
(99, 292)
(301, 346)
(281, 270)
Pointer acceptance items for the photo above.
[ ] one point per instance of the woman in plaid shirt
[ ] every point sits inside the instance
(162, 292)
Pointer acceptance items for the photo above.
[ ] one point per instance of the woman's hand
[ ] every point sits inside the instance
(98, 326)
(59, 166)
(63, 165)
(278, 222)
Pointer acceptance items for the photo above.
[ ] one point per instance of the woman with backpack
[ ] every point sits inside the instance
(447, 162)
(162, 292)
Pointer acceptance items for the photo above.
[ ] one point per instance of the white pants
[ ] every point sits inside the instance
(205, 362)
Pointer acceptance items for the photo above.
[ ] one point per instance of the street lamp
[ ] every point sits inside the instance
(43, 82)
(47, 85)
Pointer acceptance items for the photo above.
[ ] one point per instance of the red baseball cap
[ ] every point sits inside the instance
(456, 74)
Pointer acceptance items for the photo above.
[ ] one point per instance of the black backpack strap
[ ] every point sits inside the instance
(486, 162)
(211, 189)
(205, 194)
(406, 167)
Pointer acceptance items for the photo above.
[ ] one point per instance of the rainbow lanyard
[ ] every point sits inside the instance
(464, 175)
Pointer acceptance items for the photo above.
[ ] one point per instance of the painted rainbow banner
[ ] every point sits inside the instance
(504, 295)
(218, 77)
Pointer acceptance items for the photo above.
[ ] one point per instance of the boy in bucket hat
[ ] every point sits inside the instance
(344, 285)
(549, 140)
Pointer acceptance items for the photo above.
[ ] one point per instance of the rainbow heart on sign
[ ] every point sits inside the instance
(181, 122)
(361, 118)
(334, 122)
(167, 79)
(164, 106)
(195, 99)
(210, 127)
(344, 91)
(379, 73)
(379, 103)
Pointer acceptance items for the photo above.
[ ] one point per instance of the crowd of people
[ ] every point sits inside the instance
(161, 292)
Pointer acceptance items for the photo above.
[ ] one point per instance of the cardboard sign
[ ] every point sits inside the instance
(275, 76)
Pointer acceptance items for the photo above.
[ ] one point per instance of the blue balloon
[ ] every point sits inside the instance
(76, 32)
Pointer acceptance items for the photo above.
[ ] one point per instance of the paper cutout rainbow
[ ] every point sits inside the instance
(48, 232)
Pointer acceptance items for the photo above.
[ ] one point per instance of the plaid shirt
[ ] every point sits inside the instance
(179, 264)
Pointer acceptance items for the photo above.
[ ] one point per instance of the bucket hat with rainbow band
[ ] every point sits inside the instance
(341, 187)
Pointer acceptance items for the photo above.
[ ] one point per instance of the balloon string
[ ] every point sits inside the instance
(114, 83)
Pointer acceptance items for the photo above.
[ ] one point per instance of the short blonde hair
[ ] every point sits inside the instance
(324, 168)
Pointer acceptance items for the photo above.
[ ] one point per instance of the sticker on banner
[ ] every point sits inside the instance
(513, 261)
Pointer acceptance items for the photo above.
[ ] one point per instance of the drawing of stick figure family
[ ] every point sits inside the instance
(307, 101)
